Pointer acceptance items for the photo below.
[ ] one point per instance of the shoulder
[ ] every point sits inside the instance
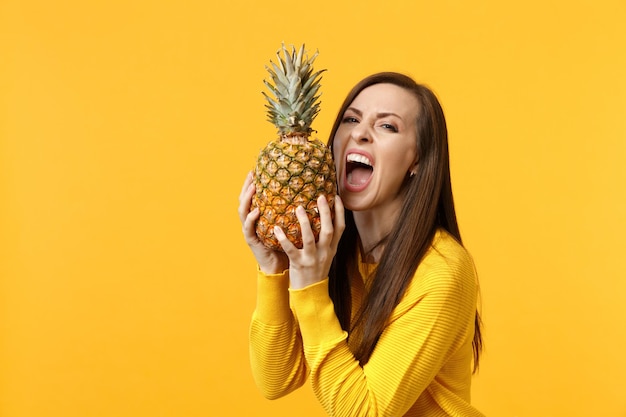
(444, 280)
(446, 267)
(446, 252)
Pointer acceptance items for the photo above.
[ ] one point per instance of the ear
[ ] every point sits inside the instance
(413, 169)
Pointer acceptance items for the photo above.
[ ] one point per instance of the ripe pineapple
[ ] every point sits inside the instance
(294, 169)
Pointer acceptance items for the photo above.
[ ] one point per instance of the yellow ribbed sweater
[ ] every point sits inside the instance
(421, 365)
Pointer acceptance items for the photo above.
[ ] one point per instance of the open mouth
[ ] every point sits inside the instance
(359, 169)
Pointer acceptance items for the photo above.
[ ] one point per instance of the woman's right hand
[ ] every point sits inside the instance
(270, 261)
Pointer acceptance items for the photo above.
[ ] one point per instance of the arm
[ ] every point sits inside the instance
(427, 328)
(276, 353)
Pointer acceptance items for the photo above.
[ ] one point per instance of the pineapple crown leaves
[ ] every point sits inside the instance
(294, 86)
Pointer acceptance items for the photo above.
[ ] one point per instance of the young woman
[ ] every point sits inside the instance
(380, 314)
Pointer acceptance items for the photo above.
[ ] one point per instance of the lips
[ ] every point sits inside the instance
(359, 170)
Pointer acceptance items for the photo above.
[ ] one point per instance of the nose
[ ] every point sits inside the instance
(361, 133)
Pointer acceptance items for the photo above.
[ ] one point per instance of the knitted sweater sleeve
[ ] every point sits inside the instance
(429, 325)
(276, 353)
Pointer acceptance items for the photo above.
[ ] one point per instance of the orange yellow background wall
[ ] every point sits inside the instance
(127, 128)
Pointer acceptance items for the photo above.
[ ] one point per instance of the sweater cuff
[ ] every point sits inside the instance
(316, 314)
(272, 304)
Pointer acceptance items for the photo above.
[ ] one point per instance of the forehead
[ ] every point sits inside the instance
(387, 98)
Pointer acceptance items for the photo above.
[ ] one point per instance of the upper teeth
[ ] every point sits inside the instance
(361, 159)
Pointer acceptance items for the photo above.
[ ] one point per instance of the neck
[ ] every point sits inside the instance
(373, 227)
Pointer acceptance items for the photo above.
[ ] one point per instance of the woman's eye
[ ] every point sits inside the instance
(350, 119)
(389, 127)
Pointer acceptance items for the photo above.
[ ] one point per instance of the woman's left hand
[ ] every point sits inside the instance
(311, 264)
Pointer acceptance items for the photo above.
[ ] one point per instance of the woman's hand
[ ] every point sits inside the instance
(311, 264)
(270, 261)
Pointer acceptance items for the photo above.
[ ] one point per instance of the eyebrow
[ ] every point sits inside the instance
(382, 114)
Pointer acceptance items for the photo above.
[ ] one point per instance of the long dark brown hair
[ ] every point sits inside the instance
(427, 206)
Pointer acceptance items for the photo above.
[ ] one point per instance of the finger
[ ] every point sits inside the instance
(249, 223)
(340, 222)
(286, 244)
(308, 239)
(245, 199)
(249, 226)
(246, 203)
(246, 184)
(326, 232)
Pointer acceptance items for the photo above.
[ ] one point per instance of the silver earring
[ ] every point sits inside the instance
(412, 174)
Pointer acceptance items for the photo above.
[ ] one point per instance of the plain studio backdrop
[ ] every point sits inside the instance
(128, 127)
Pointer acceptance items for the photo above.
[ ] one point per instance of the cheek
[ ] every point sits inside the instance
(402, 159)
(410, 153)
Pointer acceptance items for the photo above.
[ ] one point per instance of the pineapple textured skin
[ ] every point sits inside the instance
(289, 175)
(293, 170)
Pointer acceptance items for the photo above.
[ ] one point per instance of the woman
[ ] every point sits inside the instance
(380, 313)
